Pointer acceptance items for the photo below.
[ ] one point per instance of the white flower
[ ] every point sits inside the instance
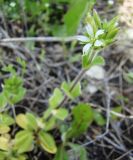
(91, 39)
(89, 30)
(99, 32)
(87, 48)
(98, 43)
(110, 2)
(83, 39)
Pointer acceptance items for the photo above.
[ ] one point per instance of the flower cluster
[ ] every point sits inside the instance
(98, 34)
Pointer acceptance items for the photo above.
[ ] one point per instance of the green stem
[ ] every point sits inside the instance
(76, 80)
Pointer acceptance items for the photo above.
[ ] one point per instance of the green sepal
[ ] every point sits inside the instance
(97, 19)
(112, 33)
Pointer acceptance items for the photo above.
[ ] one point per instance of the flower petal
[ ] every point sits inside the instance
(99, 43)
(99, 32)
(86, 48)
(89, 30)
(83, 38)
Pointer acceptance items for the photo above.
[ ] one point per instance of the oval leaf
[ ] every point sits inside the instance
(56, 98)
(98, 60)
(4, 129)
(61, 113)
(83, 116)
(47, 142)
(31, 121)
(4, 144)
(21, 121)
(6, 119)
(23, 141)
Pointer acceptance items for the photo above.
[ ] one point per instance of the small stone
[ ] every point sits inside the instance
(96, 72)
(91, 89)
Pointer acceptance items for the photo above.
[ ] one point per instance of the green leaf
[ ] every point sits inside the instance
(66, 87)
(56, 98)
(18, 97)
(50, 124)
(61, 154)
(85, 60)
(13, 89)
(4, 129)
(75, 58)
(47, 142)
(83, 116)
(98, 60)
(23, 141)
(18, 158)
(61, 113)
(9, 68)
(27, 121)
(21, 157)
(47, 113)
(6, 119)
(77, 9)
(3, 155)
(31, 121)
(21, 121)
(3, 100)
(99, 118)
(79, 152)
(4, 143)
